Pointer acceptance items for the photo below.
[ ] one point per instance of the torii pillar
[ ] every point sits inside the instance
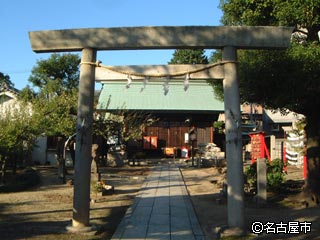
(227, 38)
(233, 139)
(82, 170)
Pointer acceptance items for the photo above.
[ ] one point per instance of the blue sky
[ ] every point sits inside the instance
(19, 17)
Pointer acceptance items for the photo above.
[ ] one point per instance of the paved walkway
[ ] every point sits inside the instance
(161, 210)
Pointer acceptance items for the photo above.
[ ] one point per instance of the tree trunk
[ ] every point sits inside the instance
(312, 188)
(60, 158)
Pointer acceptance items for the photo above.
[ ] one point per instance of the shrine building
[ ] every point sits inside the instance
(176, 107)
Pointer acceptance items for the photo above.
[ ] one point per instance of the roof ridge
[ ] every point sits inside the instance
(5, 87)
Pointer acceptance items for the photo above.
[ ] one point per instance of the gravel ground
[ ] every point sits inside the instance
(204, 186)
(45, 211)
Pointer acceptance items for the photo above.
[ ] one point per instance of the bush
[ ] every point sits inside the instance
(275, 175)
(251, 176)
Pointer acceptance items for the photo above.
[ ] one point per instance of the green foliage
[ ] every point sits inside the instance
(219, 126)
(18, 134)
(134, 124)
(54, 106)
(251, 175)
(26, 94)
(215, 57)
(124, 124)
(248, 12)
(97, 187)
(302, 14)
(189, 56)
(18, 131)
(285, 79)
(106, 125)
(282, 79)
(300, 125)
(56, 116)
(5, 80)
(57, 74)
(275, 174)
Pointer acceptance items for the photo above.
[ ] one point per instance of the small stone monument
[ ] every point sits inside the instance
(261, 181)
(95, 173)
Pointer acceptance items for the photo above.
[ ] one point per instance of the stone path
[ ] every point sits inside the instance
(161, 210)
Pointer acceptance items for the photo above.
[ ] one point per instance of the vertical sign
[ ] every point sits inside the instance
(257, 146)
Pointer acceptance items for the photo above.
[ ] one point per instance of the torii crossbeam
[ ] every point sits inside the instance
(227, 38)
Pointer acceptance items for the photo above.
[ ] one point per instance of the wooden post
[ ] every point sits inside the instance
(233, 140)
(81, 198)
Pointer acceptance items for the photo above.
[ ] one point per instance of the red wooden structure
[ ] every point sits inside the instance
(258, 146)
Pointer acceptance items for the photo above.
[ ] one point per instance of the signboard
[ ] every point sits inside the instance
(258, 146)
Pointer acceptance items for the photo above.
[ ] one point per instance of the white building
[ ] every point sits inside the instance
(9, 104)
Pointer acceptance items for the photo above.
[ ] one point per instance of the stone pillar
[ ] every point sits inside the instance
(261, 181)
(81, 198)
(95, 172)
(233, 140)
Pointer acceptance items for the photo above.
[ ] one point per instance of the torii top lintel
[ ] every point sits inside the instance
(134, 38)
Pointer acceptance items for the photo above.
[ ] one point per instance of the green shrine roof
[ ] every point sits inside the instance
(199, 97)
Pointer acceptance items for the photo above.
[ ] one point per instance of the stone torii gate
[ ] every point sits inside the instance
(91, 40)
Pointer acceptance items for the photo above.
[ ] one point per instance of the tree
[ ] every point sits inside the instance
(216, 56)
(55, 103)
(126, 125)
(285, 79)
(57, 74)
(189, 56)
(5, 80)
(57, 116)
(301, 14)
(17, 137)
(26, 94)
